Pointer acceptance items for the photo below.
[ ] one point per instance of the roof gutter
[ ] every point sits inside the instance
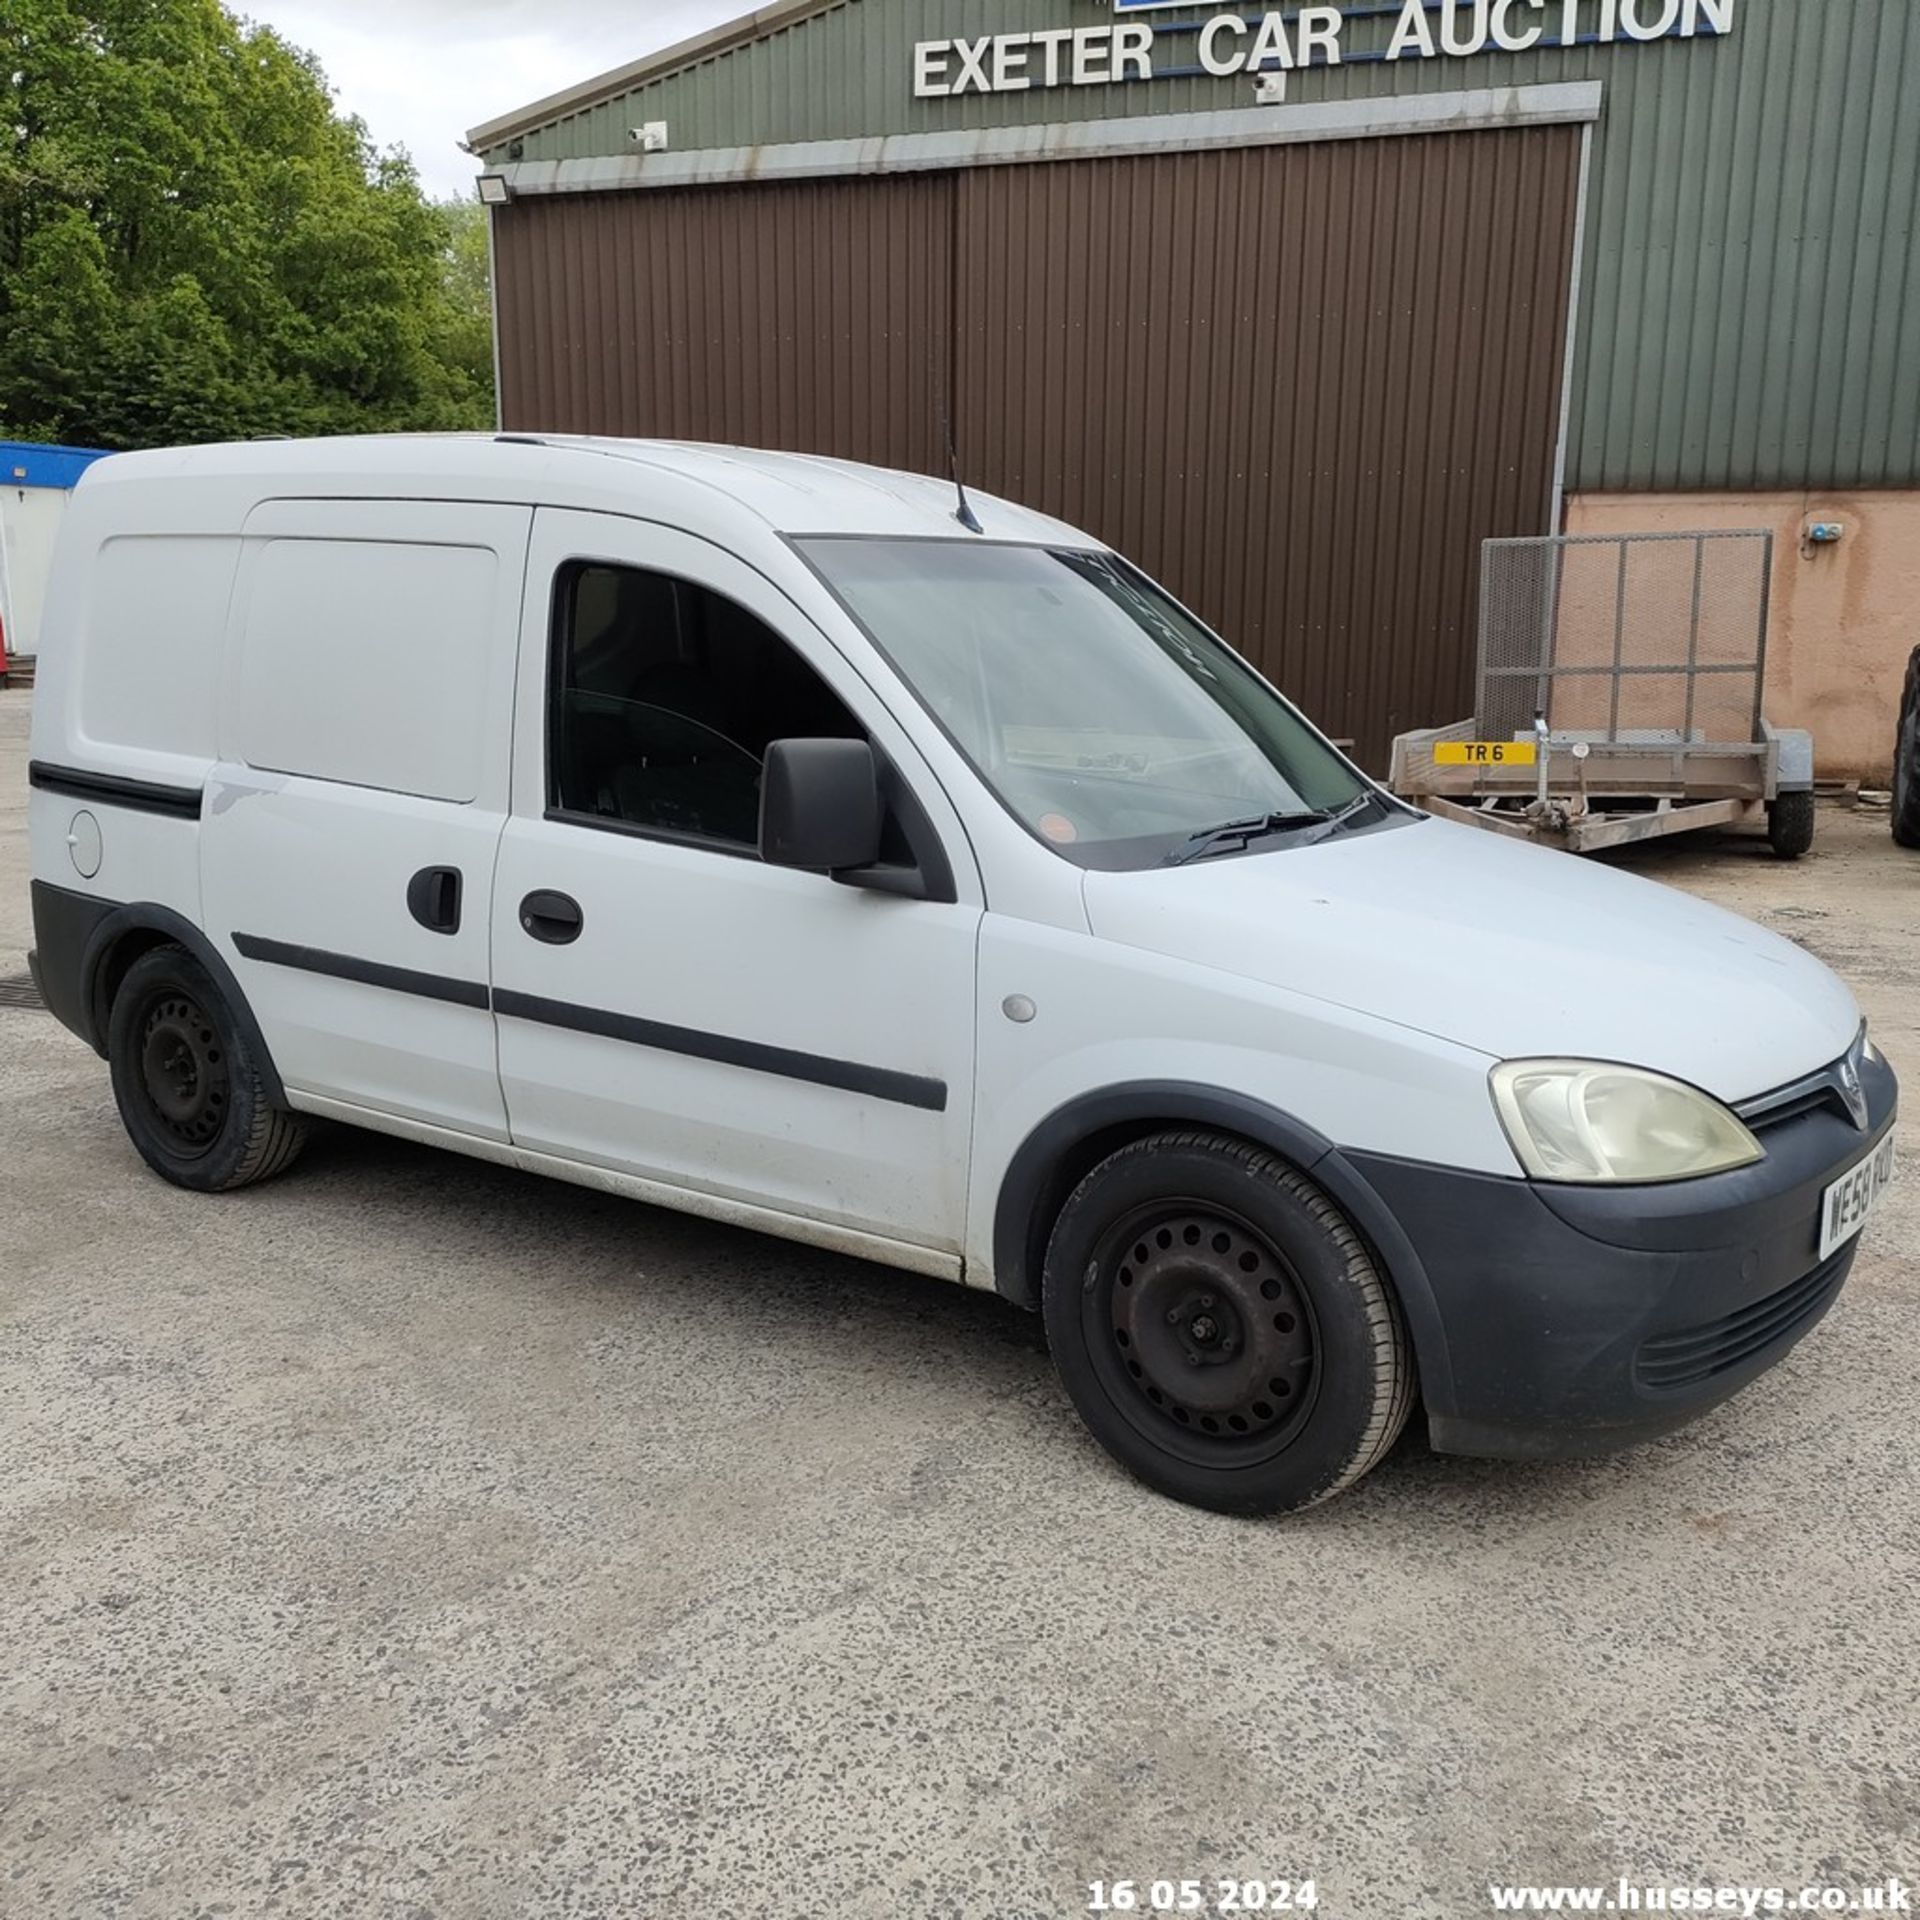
(1560, 103)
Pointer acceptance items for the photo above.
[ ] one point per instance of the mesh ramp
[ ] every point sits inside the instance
(1618, 691)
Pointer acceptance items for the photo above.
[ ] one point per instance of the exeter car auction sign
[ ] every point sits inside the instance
(1233, 43)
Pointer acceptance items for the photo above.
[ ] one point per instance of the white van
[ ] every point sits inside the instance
(787, 842)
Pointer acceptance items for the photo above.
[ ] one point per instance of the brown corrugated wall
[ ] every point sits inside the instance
(1299, 384)
(816, 317)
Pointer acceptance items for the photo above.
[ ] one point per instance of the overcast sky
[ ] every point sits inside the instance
(421, 72)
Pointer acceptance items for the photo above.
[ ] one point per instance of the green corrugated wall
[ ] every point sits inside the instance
(1749, 302)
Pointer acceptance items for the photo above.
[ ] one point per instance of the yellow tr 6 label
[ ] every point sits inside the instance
(1486, 753)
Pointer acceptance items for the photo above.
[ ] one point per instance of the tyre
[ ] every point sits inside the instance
(1790, 825)
(1906, 760)
(1220, 1327)
(186, 1081)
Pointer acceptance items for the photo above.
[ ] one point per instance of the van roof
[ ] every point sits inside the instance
(793, 493)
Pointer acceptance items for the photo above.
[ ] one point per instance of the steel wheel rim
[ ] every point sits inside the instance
(183, 1072)
(1202, 1333)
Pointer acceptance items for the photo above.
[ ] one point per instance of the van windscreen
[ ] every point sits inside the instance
(1111, 723)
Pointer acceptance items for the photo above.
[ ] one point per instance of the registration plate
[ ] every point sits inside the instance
(1846, 1205)
(1486, 753)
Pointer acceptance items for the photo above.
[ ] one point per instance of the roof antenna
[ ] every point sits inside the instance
(966, 515)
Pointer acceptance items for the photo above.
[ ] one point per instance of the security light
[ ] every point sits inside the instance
(494, 191)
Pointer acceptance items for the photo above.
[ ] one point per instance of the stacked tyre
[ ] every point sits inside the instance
(1906, 760)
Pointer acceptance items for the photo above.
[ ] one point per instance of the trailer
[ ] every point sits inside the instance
(1618, 698)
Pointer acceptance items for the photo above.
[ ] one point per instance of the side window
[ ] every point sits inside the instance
(664, 697)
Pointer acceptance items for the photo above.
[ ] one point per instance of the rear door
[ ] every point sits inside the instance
(353, 820)
(669, 1006)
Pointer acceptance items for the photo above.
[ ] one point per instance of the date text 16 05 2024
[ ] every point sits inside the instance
(1217, 1896)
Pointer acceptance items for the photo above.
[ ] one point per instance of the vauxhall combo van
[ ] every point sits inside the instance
(800, 845)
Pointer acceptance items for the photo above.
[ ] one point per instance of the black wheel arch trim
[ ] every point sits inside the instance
(148, 916)
(1172, 1103)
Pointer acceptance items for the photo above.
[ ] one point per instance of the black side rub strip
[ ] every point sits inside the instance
(109, 789)
(881, 1083)
(367, 973)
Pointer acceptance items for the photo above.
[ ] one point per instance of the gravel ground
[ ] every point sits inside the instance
(414, 1537)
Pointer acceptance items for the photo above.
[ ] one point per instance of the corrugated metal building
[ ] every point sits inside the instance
(1482, 267)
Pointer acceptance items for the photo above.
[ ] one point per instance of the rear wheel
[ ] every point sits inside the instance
(1906, 761)
(187, 1083)
(1221, 1328)
(1790, 825)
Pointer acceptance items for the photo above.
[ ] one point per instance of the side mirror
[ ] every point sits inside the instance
(820, 806)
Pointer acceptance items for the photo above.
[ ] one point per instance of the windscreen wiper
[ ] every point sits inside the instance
(1234, 836)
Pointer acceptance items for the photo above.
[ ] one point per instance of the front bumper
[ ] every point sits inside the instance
(1580, 1319)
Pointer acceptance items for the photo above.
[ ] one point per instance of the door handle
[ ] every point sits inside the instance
(433, 898)
(552, 917)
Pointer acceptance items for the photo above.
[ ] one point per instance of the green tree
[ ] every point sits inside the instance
(195, 246)
(466, 342)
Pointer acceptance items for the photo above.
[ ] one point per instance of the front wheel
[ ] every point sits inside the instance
(1220, 1327)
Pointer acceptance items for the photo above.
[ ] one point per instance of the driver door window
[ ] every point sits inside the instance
(666, 697)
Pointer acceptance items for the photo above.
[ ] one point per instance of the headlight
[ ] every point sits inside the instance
(1584, 1120)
